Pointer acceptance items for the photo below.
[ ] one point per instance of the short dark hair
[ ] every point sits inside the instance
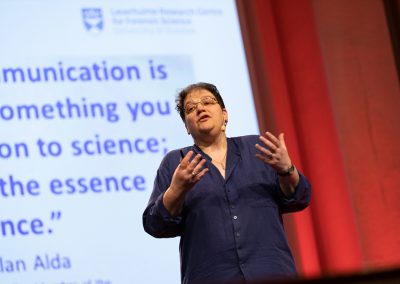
(180, 98)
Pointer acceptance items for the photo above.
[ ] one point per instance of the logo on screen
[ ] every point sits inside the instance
(93, 20)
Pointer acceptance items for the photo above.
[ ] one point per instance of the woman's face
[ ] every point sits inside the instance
(203, 114)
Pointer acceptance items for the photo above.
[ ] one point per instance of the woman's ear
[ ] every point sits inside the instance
(187, 130)
(225, 114)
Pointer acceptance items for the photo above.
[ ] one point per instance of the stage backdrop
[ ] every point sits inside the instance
(87, 94)
(325, 73)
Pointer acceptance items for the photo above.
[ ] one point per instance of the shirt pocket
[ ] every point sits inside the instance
(263, 202)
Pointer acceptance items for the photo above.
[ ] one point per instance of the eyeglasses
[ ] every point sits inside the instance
(204, 101)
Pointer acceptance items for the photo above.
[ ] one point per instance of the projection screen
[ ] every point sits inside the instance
(87, 112)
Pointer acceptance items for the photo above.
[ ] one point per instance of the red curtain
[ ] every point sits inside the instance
(289, 46)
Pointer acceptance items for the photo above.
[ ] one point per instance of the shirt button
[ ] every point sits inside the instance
(233, 206)
(235, 217)
(242, 265)
(237, 234)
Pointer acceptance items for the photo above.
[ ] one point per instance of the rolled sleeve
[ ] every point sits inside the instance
(300, 198)
(159, 223)
(164, 213)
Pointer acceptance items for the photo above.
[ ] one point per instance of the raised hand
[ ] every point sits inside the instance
(186, 175)
(274, 152)
(188, 172)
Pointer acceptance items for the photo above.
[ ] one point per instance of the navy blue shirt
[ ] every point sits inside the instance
(230, 228)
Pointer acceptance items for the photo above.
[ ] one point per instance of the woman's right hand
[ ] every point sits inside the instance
(188, 173)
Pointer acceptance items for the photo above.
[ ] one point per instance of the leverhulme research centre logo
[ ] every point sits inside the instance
(93, 20)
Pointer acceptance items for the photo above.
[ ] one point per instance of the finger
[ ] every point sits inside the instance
(267, 155)
(193, 163)
(200, 174)
(272, 138)
(185, 161)
(282, 139)
(264, 159)
(268, 143)
(197, 169)
(264, 150)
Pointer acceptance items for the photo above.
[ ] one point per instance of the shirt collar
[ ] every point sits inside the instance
(232, 158)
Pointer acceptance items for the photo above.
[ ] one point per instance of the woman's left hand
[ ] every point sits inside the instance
(274, 152)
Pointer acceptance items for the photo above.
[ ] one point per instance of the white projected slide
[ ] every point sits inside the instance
(87, 112)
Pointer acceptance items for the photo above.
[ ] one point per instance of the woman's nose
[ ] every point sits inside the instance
(200, 107)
